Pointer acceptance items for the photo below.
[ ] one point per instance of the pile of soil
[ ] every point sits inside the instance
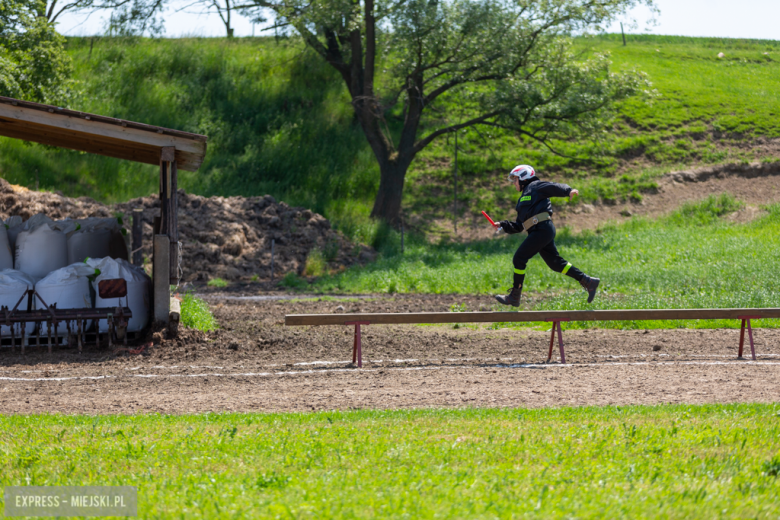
(227, 238)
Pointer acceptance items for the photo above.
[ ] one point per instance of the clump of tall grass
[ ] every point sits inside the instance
(706, 211)
(195, 314)
(316, 265)
(217, 282)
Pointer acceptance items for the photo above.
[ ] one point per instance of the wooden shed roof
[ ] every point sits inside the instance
(97, 134)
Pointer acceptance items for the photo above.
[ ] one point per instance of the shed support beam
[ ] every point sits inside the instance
(169, 208)
(162, 287)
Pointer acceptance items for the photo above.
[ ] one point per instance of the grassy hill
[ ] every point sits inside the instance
(279, 122)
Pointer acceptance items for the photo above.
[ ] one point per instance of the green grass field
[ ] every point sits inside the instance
(279, 122)
(714, 461)
(690, 259)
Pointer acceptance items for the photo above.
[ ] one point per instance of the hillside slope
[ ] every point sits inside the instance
(279, 122)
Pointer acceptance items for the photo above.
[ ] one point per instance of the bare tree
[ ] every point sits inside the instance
(502, 63)
(226, 10)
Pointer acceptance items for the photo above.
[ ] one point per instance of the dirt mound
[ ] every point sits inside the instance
(227, 238)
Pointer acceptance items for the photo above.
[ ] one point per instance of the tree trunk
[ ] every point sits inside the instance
(387, 205)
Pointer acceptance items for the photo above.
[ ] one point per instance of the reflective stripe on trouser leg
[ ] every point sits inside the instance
(518, 278)
(566, 269)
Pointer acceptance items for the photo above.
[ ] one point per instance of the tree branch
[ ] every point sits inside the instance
(425, 141)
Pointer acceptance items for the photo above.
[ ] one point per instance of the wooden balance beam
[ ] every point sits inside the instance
(556, 317)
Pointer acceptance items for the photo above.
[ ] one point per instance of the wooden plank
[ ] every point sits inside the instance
(24, 116)
(173, 226)
(44, 127)
(529, 316)
(97, 117)
(161, 278)
(138, 236)
(99, 145)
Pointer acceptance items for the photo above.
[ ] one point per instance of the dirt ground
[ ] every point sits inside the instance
(255, 363)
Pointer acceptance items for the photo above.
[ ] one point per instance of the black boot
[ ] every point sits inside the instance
(590, 285)
(513, 298)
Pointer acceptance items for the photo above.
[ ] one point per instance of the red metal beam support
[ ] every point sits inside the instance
(357, 352)
(557, 325)
(750, 335)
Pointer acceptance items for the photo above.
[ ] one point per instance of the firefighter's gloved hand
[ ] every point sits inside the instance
(500, 229)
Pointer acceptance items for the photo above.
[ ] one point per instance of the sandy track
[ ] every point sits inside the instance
(256, 364)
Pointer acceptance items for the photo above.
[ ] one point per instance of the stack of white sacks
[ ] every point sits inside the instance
(64, 261)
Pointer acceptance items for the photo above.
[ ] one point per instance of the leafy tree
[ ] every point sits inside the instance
(134, 17)
(52, 9)
(33, 63)
(139, 15)
(503, 63)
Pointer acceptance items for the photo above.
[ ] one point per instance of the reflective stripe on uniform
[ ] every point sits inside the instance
(519, 271)
(566, 269)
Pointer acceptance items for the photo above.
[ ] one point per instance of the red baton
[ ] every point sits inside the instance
(490, 220)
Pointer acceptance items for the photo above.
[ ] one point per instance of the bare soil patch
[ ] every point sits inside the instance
(254, 363)
(222, 237)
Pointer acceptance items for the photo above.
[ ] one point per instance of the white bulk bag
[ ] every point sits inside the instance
(14, 226)
(12, 287)
(83, 244)
(138, 290)
(117, 248)
(14, 220)
(37, 220)
(6, 257)
(68, 287)
(67, 226)
(41, 251)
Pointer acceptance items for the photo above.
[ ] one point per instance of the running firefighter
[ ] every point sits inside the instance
(534, 215)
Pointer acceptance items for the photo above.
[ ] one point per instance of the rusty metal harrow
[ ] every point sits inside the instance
(75, 320)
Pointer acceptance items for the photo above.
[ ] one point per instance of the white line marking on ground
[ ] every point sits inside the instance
(397, 369)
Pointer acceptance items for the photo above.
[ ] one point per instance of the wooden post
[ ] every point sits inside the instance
(138, 236)
(455, 188)
(161, 278)
(169, 208)
(623, 33)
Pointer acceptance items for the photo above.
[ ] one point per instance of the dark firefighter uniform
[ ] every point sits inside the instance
(534, 205)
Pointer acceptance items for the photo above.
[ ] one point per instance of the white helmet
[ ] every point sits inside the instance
(522, 172)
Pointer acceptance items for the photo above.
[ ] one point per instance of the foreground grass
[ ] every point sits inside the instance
(663, 462)
(692, 259)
